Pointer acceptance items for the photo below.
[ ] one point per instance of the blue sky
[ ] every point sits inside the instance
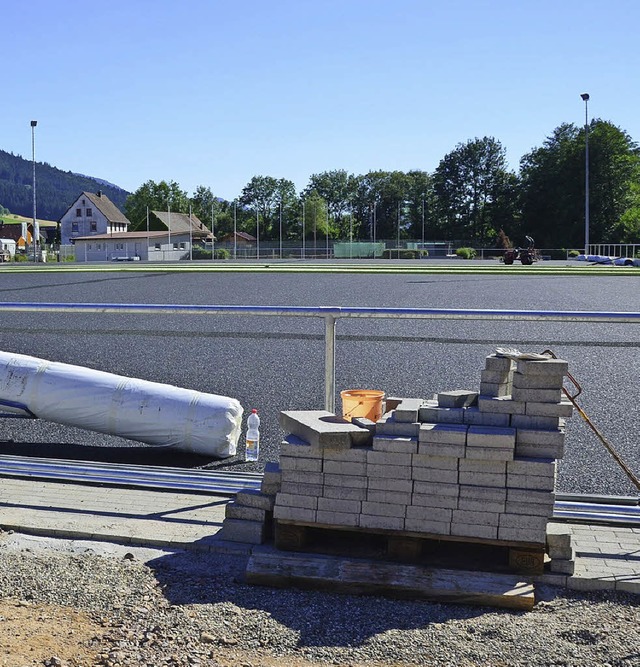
(215, 92)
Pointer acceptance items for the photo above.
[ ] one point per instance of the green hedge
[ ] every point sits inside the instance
(466, 253)
(391, 253)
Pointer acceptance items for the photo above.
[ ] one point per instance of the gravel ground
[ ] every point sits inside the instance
(112, 606)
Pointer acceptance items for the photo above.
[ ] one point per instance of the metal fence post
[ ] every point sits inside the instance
(330, 363)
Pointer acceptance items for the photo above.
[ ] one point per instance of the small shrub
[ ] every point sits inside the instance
(574, 253)
(222, 253)
(466, 253)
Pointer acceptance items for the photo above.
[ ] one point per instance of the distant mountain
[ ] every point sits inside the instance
(56, 190)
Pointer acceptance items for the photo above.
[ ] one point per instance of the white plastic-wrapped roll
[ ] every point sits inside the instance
(150, 412)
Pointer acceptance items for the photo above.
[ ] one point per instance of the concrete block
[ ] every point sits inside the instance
(562, 566)
(530, 509)
(254, 498)
(285, 513)
(301, 488)
(434, 501)
(395, 443)
(379, 470)
(500, 405)
(537, 381)
(393, 497)
(235, 511)
(300, 463)
(271, 478)
(387, 425)
(443, 434)
(383, 509)
(540, 451)
(555, 437)
(495, 390)
(533, 482)
(270, 489)
(501, 364)
(441, 450)
(434, 475)
(521, 535)
(489, 453)
(536, 395)
(247, 532)
(344, 468)
(496, 377)
(292, 445)
(538, 467)
(348, 481)
(363, 422)
(338, 505)
(388, 459)
(291, 500)
(343, 493)
(323, 429)
(353, 455)
(439, 514)
(460, 398)
(376, 522)
(427, 525)
(482, 473)
(558, 540)
(564, 553)
(390, 484)
(302, 477)
(546, 367)
(520, 521)
(474, 416)
(328, 518)
(561, 409)
(476, 505)
(435, 462)
(437, 488)
(431, 413)
(407, 410)
(391, 403)
(474, 530)
(482, 498)
(532, 496)
(536, 423)
(479, 518)
(491, 436)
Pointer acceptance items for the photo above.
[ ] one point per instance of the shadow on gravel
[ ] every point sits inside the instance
(318, 618)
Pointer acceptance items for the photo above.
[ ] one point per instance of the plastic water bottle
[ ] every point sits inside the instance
(253, 437)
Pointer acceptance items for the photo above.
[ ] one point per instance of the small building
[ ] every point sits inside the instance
(132, 246)
(179, 223)
(241, 239)
(91, 215)
(7, 249)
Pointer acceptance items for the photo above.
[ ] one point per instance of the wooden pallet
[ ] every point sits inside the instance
(404, 547)
(269, 567)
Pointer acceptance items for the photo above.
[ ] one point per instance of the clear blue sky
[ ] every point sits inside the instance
(215, 92)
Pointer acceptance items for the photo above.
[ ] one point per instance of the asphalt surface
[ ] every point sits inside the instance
(276, 364)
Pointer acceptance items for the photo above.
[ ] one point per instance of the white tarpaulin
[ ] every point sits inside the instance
(150, 412)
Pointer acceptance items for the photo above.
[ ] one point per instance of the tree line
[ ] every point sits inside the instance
(472, 197)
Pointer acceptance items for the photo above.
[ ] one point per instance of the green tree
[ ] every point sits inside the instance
(155, 197)
(468, 183)
(207, 207)
(337, 188)
(265, 195)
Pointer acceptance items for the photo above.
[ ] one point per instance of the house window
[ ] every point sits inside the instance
(78, 213)
(88, 246)
(94, 226)
(175, 246)
(89, 212)
(182, 246)
(74, 226)
(157, 246)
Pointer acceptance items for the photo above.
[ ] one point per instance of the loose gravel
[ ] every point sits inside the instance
(186, 609)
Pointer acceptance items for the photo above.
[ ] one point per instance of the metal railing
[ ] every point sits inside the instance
(330, 315)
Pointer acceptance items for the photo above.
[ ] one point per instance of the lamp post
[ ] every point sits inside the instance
(36, 231)
(585, 99)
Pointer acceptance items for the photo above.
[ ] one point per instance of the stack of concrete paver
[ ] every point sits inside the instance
(463, 464)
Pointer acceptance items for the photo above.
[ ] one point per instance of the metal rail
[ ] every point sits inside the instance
(330, 314)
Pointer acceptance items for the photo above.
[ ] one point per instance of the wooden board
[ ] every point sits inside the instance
(269, 567)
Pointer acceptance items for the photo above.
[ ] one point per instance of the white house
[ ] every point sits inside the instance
(91, 215)
(7, 249)
(131, 246)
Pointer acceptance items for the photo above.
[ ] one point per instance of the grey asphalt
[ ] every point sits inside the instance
(277, 364)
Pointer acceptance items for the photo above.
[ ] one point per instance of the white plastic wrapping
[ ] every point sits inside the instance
(150, 412)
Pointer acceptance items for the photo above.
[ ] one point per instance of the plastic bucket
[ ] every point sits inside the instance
(362, 403)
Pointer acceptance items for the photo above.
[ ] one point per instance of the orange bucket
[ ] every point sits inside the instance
(362, 403)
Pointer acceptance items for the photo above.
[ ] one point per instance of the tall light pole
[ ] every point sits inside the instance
(36, 231)
(585, 99)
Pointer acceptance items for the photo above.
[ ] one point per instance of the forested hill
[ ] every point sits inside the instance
(56, 190)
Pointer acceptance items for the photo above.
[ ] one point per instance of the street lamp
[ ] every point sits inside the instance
(36, 231)
(585, 99)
